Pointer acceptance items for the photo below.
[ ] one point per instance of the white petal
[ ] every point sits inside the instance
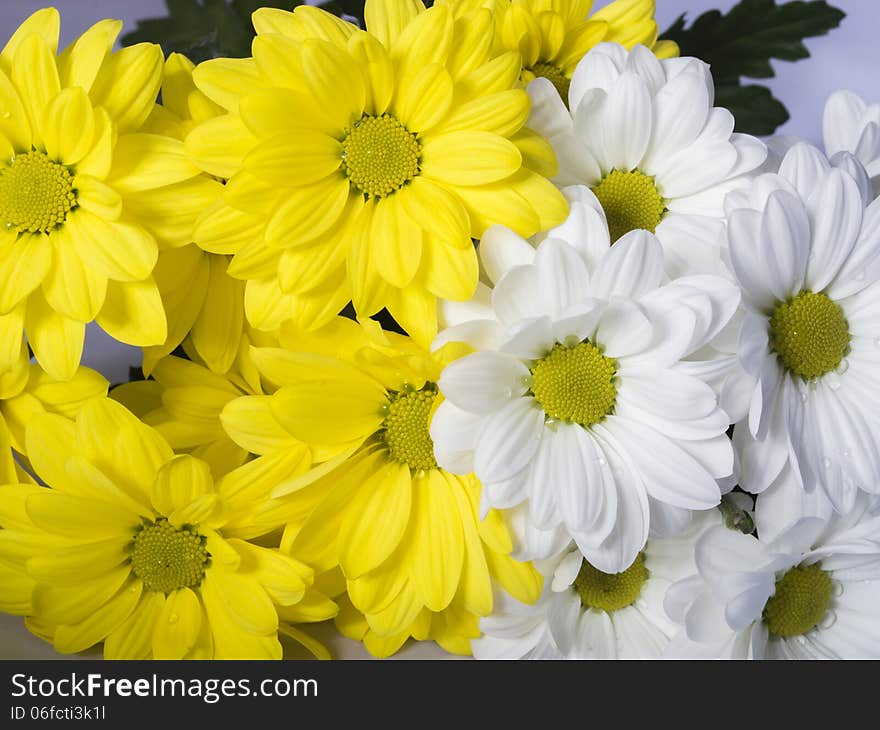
(804, 167)
(454, 433)
(549, 116)
(501, 249)
(624, 328)
(483, 382)
(632, 267)
(784, 223)
(627, 119)
(508, 440)
(840, 120)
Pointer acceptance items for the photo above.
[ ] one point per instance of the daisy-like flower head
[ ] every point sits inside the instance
(360, 164)
(404, 531)
(552, 37)
(805, 251)
(849, 124)
(805, 588)
(203, 304)
(575, 408)
(127, 547)
(72, 248)
(584, 613)
(643, 134)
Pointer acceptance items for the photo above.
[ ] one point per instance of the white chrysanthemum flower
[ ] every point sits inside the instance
(851, 125)
(644, 136)
(575, 408)
(584, 613)
(807, 588)
(806, 253)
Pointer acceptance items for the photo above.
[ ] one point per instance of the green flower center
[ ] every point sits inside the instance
(610, 591)
(380, 155)
(630, 201)
(810, 334)
(406, 428)
(575, 384)
(555, 76)
(36, 194)
(802, 597)
(166, 558)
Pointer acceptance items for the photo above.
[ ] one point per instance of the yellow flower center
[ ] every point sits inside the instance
(575, 384)
(555, 76)
(610, 591)
(810, 334)
(406, 428)
(802, 597)
(166, 558)
(380, 155)
(630, 201)
(36, 194)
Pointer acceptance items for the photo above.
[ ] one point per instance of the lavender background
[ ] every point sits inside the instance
(846, 58)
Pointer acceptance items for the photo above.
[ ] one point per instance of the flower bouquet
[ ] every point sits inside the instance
(490, 324)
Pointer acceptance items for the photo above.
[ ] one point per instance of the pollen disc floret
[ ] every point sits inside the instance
(810, 334)
(36, 194)
(406, 428)
(630, 201)
(380, 155)
(167, 559)
(802, 597)
(610, 591)
(575, 384)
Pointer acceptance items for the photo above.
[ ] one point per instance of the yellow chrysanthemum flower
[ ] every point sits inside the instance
(361, 163)
(553, 35)
(204, 305)
(127, 547)
(405, 533)
(72, 248)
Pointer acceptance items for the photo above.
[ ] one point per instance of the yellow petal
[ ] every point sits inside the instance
(99, 159)
(386, 19)
(519, 30)
(375, 64)
(310, 22)
(68, 126)
(76, 564)
(499, 74)
(128, 83)
(252, 482)
(397, 617)
(520, 580)
(254, 260)
(177, 626)
(383, 647)
(219, 145)
(96, 197)
(308, 212)
(72, 288)
(70, 639)
(473, 32)
(74, 601)
(35, 75)
(490, 204)
(303, 268)
(24, 262)
(87, 481)
(296, 157)
(374, 591)
(146, 161)
(250, 423)
(180, 482)
(67, 398)
(80, 518)
(334, 81)
(16, 127)
(282, 577)
(375, 520)
(476, 583)
(449, 272)
(179, 92)
(117, 250)
(57, 341)
(427, 39)
(469, 158)
(45, 23)
(223, 229)
(245, 601)
(395, 242)
(312, 645)
(502, 113)
(132, 313)
(78, 65)
(369, 291)
(415, 309)
(226, 80)
(267, 112)
(216, 334)
(133, 638)
(579, 41)
(424, 98)
(666, 49)
(437, 541)
(50, 441)
(438, 211)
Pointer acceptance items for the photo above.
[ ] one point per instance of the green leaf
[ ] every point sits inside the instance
(753, 107)
(742, 42)
(202, 29)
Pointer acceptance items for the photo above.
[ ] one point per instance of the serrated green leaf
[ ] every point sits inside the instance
(753, 107)
(742, 42)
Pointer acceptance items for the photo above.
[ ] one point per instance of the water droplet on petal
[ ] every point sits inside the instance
(526, 380)
(508, 392)
(173, 618)
(602, 461)
(843, 367)
(877, 342)
(845, 453)
(836, 588)
(828, 620)
(6, 114)
(832, 380)
(826, 462)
